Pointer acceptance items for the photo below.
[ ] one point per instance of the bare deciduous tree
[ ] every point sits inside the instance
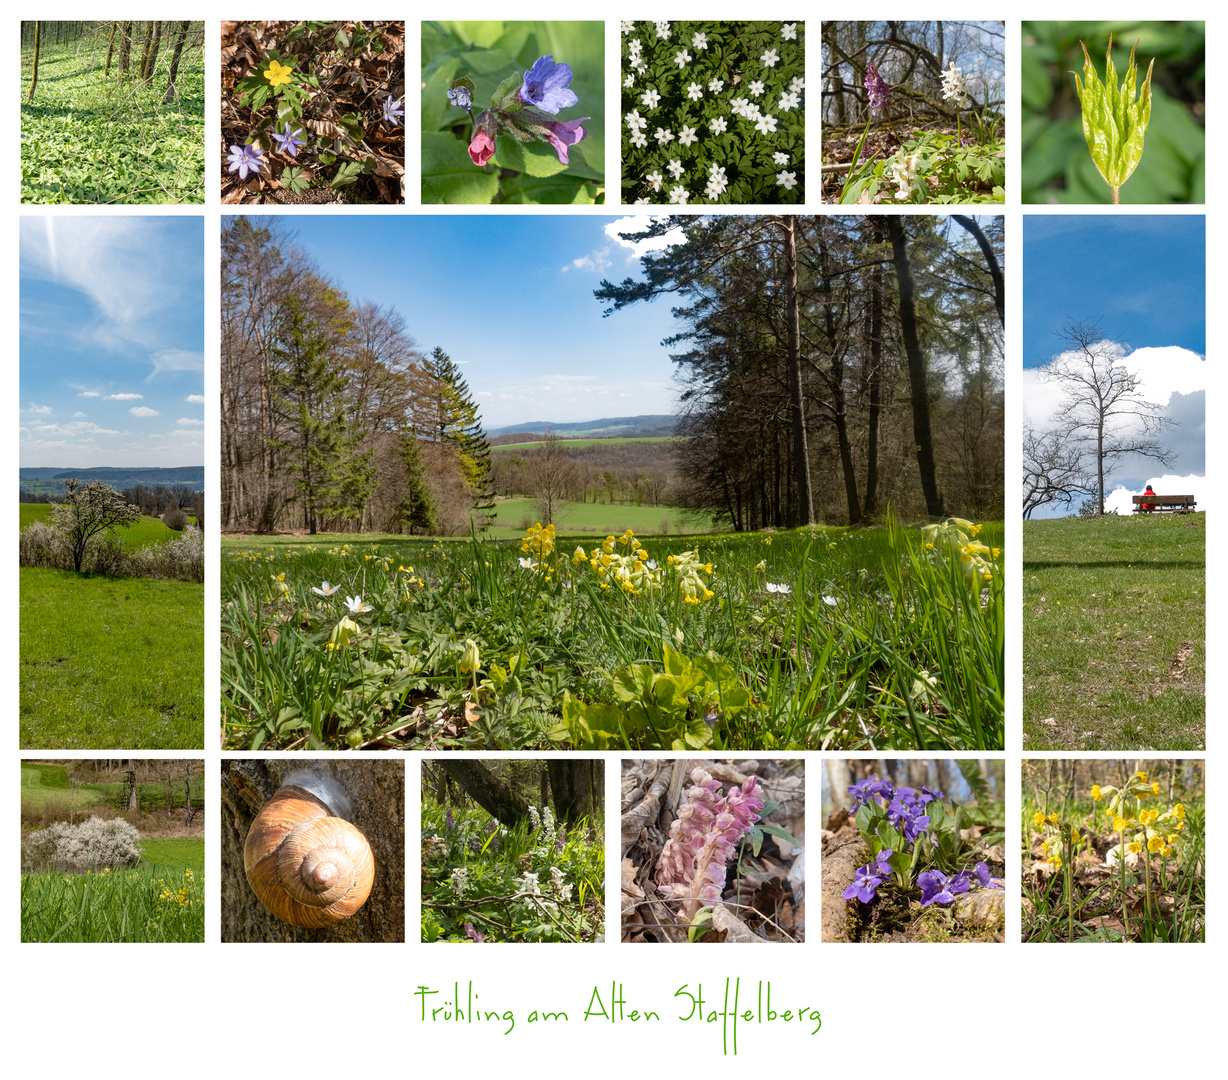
(1104, 410)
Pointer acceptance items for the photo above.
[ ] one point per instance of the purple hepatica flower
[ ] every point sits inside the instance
(289, 143)
(393, 111)
(981, 872)
(545, 86)
(562, 135)
(879, 91)
(936, 887)
(245, 158)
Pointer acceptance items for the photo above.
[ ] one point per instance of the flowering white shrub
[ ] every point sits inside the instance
(719, 106)
(92, 845)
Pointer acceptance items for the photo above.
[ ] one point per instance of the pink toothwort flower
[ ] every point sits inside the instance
(702, 841)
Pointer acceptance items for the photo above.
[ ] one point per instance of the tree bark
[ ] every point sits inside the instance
(487, 790)
(804, 514)
(575, 787)
(991, 261)
(917, 372)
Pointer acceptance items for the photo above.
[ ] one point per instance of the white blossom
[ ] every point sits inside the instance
(788, 31)
(678, 195)
(786, 180)
(766, 124)
(688, 136)
(769, 58)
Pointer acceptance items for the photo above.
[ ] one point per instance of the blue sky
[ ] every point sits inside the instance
(510, 300)
(112, 341)
(1143, 279)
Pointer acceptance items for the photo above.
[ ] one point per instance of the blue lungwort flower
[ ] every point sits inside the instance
(545, 86)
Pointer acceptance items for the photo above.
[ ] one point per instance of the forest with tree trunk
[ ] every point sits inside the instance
(332, 418)
(833, 368)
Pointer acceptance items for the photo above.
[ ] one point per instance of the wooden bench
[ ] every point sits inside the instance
(1164, 504)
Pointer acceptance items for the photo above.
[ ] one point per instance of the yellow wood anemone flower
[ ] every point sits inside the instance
(277, 74)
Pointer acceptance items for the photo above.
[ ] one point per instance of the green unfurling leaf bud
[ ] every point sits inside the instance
(1114, 121)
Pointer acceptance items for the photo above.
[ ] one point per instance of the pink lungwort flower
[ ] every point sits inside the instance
(702, 840)
(564, 134)
(482, 148)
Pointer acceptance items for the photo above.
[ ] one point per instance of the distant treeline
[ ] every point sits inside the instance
(626, 471)
(49, 482)
(154, 501)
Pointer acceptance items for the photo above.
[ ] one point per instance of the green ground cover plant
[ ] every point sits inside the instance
(48, 794)
(713, 112)
(485, 882)
(1122, 859)
(109, 662)
(513, 112)
(1114, 632)
(817, 638)
(90, 137)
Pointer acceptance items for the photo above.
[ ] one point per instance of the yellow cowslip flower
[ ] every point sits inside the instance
(1140, 776)
(470, 660)
(1155, 788)
(578, 556)
(1154, 843)
(1096, 793)
(1165, 852)
(277, 74)
(1148, 816)
(1054, 819)
(1074, 835)
(1178, 811)
(767, 540)
(707, 568)
(1135, 847)
(1038, 818)
(1119, 824)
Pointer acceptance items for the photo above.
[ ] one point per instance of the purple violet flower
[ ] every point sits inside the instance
(289, 142)
(545, 86)
(929, 796)
(981, 872)
(245, 159)
(936, 887)
(865, 881)
(865, 790)
(562, 135)
(879, 91)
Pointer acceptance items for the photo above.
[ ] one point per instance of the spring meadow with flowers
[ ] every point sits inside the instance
(1114, 851)
(914, 113)
(313, 112)
(906, 860)
(112, 855)
(713, 112)
(497, 866)
(513, 112)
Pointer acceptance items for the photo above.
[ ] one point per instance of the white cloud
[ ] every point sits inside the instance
(596, 261)
(188, 420)
(89, 393)
(143, 410)
(195, 399)
(42, 410)
(177, 360)
(636, 248)
(78, 427)
(124, 397)
(78, 415)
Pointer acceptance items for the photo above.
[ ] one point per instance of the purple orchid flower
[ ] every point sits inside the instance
(879, 91)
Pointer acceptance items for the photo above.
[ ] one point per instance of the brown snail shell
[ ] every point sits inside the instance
(306, 866)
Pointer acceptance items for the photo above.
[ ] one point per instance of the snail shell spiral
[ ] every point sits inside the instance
(306, 866)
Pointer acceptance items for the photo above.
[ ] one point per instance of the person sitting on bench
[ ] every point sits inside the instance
(1148, 506)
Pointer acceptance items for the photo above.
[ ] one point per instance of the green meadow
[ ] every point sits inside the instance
(1114, 633)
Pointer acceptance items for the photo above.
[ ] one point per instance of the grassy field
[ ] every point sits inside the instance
(819, 638)
(1114, 653)
(48, 794)
(110, 662)
(577, 519)
(143, 533)
(161, 900)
